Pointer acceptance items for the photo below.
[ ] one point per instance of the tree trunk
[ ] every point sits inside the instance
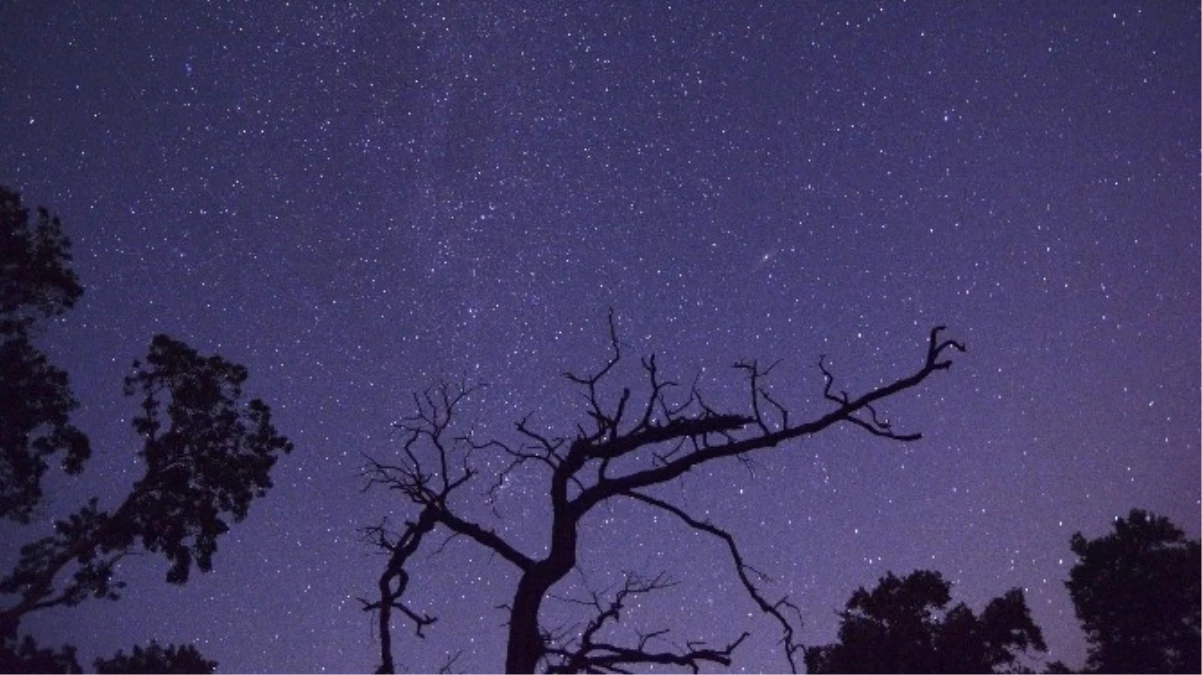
(525, 640)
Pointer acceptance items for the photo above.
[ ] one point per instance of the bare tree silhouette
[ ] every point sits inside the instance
(662, 439)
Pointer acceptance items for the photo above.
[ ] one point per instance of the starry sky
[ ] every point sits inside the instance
(360, 199)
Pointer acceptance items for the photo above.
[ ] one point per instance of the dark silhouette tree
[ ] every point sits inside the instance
(1136, 591)
(156, 659)
(1058, 668)
(904, 626)
(36, 283)
(206, 454)
(27, 657)
(626, 448)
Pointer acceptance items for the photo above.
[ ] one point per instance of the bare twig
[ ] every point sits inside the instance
(775, 610)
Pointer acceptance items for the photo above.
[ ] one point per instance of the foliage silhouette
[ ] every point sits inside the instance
(1136, 592)
(205, 453)
(26, 656)
(156, 659)
(628, 446)
(904, 626)
(35, 284)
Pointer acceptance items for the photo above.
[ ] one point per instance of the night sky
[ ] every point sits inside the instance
(358, 200)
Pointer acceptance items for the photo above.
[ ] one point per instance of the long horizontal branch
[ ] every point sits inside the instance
(650, 434)
(670, 470)
(613, 658)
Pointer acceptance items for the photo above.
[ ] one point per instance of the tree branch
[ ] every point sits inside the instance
(741, 568)
(733, 447)
(425, 436)
(588, 655)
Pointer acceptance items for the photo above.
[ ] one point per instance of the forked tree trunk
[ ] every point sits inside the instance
(526, 646)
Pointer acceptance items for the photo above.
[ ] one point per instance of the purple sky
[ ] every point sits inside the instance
(357, 200)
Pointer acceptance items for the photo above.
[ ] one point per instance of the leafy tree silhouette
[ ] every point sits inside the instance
(903, 626)
(627, 447)
(156, 659)
(27, 657)
(206, 454)
(36, 283)
(1136, 592)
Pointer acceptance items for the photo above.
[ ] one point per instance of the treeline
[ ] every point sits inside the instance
(1136, 593)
